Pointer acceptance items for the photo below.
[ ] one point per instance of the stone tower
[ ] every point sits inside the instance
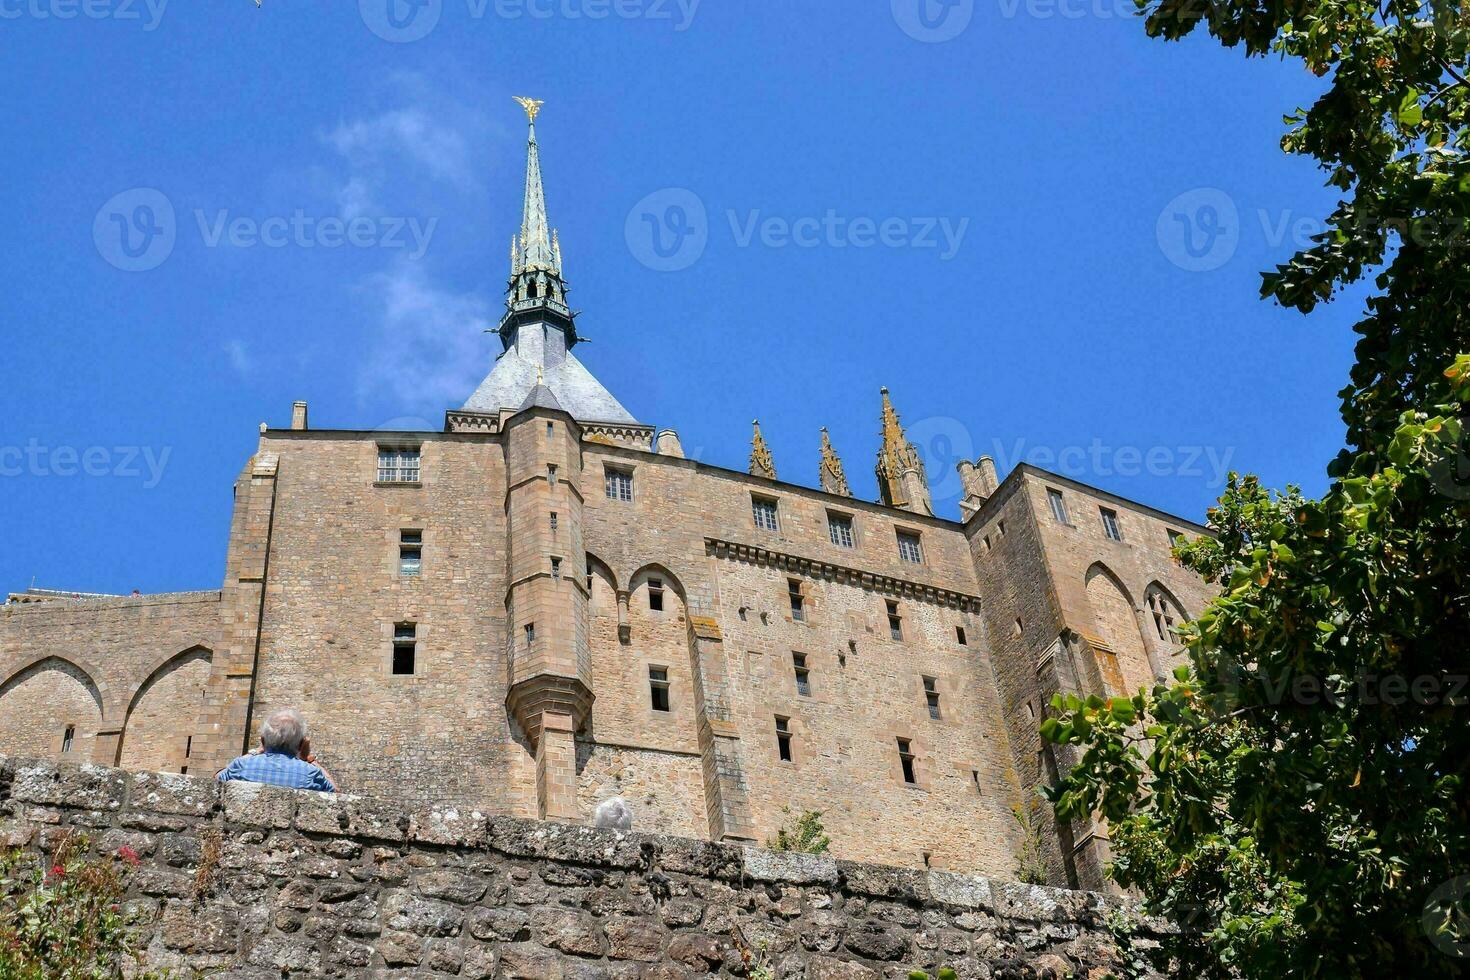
(550, 682)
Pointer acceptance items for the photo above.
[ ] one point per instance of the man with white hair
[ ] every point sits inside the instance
(284, 757)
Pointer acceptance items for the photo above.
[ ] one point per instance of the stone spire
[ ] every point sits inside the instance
(761, 463)
(538, 330)
(901, 479)
(833, 479)
(535, 254)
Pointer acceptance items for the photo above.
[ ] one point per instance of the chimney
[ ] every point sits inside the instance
(298, 416)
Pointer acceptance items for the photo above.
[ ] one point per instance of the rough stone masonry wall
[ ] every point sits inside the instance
(251, 882)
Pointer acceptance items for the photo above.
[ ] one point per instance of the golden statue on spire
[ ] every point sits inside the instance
(532, 106)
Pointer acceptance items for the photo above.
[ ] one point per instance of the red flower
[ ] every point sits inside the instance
(128, 854)
(57, 871)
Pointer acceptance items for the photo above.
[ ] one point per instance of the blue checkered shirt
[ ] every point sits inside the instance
(277, 769)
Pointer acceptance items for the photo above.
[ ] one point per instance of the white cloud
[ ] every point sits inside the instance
(239, 357)
(430, 351)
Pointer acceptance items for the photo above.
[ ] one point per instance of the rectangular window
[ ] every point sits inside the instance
(556, 569)
(398, 465)
(764, 511)
(895, 621)
(553, 520)
(908, 548)
(783, 738)
(619, 484)
(656, 594)
(550, 431)
(405, 648)
(959, 636)
(67, 737)
(1110, 524)
(410, 553)
(906, 760)
(530, 629)
(658, 688)
(803, 675)
(987, 542)
(551, 473)
(1058, 506)
(798, 601)
(839, 529)
(931, 697)
(1000, 527)
(1176, 538)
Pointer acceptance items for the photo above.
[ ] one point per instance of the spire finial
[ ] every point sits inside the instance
(761, 463)
(831, 477)
(532, 106)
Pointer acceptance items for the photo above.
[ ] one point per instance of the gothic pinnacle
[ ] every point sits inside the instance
(901, 478)
(761, 463)
(832, 479)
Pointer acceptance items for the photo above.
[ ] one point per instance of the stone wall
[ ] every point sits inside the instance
(251, 882)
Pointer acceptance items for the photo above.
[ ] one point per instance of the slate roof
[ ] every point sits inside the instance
(569, 383)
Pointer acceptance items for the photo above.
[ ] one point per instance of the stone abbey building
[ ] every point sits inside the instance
(546, 604)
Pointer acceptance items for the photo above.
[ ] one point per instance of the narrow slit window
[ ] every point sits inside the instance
(656, 594)
(553, 520)
(67, 737)
(530, 629)
(764, 512)
(895, 621)
(798, 601)
(658, 688)
(783, 738)
(1110, 524)
(410, 553)
(550, 431)
(551, 473)
(405, 648)
(803, 674)
(959, 636)
(931, 697)
(556, 569)
(906, 761)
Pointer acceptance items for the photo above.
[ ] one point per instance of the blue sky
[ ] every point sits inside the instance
(1040, 229)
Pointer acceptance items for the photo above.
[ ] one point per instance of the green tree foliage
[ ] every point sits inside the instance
(804, 834)
(1297, 800)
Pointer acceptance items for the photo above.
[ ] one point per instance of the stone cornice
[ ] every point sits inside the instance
(816, 568)
(459, 421)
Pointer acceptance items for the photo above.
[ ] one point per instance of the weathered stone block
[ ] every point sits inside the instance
(878, 881)
(960, 891)
(451, 886)
(258, 805)
(449, 826)
(566, 842)
(168, 792)
(789, 866)
(356, 816)
(84, 787)
(633, 939)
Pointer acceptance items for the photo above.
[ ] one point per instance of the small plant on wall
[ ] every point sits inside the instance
(64, 917)
(803, 834)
